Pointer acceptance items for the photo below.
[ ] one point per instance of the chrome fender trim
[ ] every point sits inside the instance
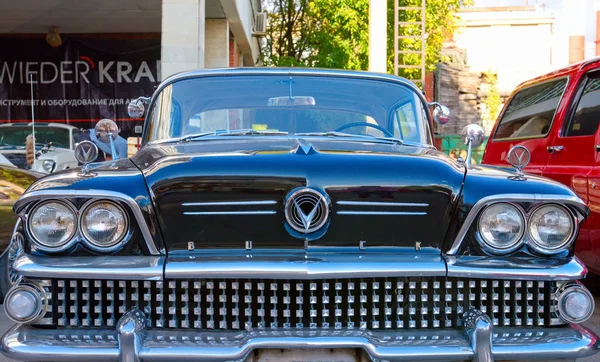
(488, 267)
(93, 194)
(574, 201)
(91, 267)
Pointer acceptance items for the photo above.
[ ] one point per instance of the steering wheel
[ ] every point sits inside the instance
(366, 124)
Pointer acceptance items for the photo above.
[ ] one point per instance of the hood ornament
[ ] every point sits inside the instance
(86, 152)
(306, 210)
(518, 157)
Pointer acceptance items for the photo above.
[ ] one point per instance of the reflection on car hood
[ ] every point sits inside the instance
(373, 188)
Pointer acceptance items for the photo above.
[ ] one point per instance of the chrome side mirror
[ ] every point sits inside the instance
(137, 107)
(473, 135)
(441, 113)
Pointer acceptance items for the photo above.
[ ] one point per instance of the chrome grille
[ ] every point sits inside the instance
(373, 303)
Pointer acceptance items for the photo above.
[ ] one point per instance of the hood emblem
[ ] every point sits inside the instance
(306, 210)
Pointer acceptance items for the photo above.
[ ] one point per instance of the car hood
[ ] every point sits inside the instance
(217, 194)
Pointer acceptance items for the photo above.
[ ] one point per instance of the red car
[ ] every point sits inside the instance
(556, 116)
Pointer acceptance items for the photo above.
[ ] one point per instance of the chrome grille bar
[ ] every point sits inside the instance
(237, 304)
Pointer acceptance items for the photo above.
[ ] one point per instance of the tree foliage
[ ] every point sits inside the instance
(335, 34)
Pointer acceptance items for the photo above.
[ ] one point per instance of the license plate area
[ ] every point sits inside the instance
(308, 355)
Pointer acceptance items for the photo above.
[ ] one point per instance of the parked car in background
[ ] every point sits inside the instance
(295, 214)
(556, 116)
(54, 145)
(13, 183)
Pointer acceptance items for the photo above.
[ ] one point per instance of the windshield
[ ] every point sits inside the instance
(17, 135)
(268, 105)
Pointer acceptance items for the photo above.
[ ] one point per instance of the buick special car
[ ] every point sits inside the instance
(296, 215)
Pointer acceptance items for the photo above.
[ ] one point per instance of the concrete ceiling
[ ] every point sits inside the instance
(87, 16)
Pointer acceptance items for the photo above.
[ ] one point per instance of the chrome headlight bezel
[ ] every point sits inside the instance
(88, 241)
(563, 293)
(42, 245)
(518, 243)
(534, 244)
(39, 295)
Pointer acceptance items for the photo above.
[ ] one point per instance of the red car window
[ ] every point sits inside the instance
(587, 114)
(530, 112)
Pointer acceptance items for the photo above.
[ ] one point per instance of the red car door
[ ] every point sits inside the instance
(574, 158)
(529, 119)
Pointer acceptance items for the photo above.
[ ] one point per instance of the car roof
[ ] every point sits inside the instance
(288, 71)
(39, 124)
(571, 69)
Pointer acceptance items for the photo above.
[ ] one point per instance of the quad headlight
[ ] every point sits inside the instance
(504, 227)
(501, 227)
(52, 224)
(103, 224)
(56, 225)
(551, 228)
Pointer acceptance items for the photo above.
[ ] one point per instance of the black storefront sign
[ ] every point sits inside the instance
(86, 79)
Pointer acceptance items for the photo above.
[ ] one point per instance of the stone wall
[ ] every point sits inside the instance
(461, 91)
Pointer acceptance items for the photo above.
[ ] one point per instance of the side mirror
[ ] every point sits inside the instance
(441, 113)
(473, 136)
(137, 107)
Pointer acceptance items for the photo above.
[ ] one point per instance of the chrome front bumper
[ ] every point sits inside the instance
(131, 342)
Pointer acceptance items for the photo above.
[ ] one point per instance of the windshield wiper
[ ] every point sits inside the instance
(349, 135)
(233, 132)
(251, 132)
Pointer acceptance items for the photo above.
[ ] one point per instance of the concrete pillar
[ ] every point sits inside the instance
(576, 48)
(182, 36)
(217, 43)
(378, 36)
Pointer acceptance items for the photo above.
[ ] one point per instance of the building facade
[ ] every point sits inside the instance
(77, 62)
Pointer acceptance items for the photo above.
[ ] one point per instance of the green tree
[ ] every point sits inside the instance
(440, 24)
(492, 101)
(335, 34)
(290, 33)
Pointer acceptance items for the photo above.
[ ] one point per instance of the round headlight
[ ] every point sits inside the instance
(52, 224)
(551, 228)
(501, 227)
(48, 165)
(103, 224)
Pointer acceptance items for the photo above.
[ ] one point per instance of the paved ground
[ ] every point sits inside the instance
(593, 323)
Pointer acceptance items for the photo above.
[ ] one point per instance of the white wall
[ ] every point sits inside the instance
(515, 45)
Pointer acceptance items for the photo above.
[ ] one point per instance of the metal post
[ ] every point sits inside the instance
(378, 36)
(32, 121)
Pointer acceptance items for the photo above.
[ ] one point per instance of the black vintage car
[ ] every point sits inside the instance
(292, 214)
